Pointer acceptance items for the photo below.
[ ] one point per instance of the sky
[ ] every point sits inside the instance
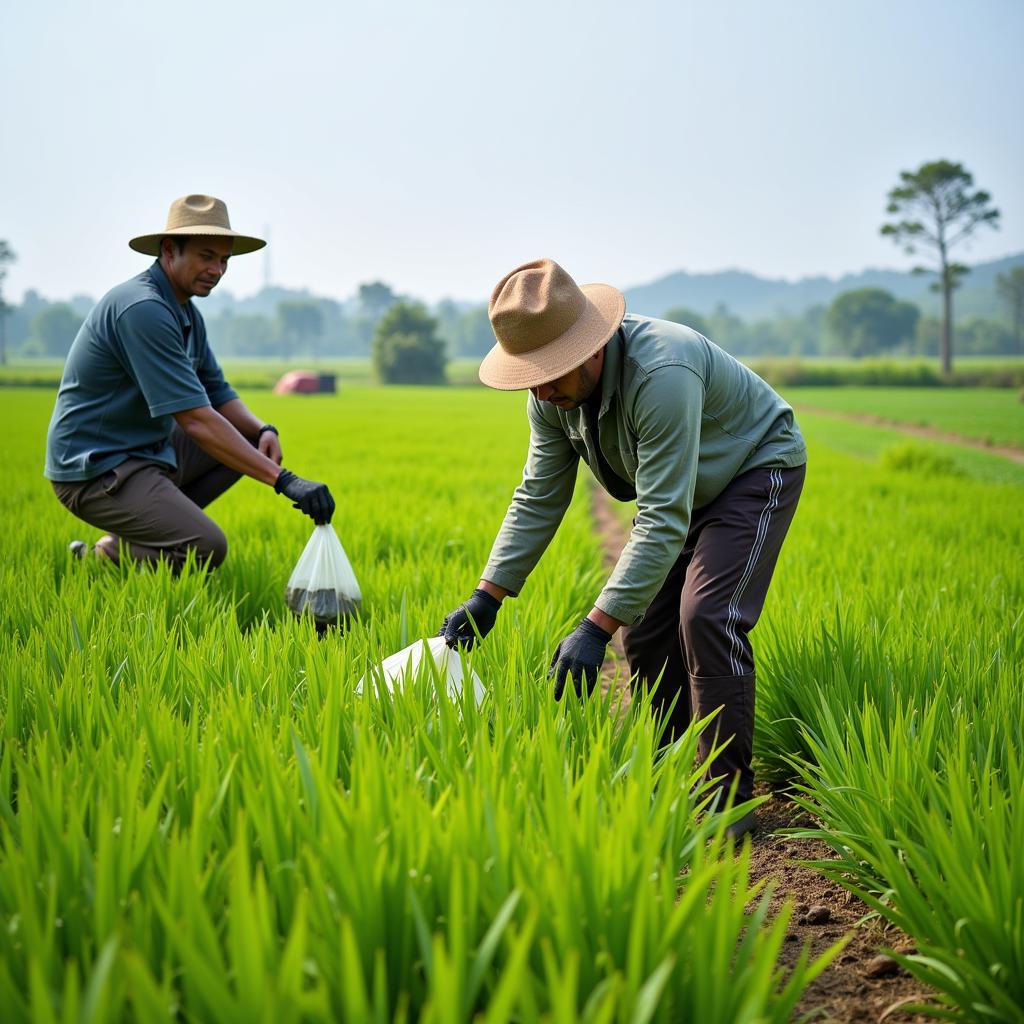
(436, 146)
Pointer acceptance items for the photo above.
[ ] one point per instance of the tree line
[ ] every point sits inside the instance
(293, 327)
(863, 322)
(936, 209)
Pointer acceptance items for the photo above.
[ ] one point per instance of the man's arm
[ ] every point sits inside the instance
(537, 507)
(225, 400)
(604, 620)
(598, 617)
(153, 353)
(237, 413)
(218, 437)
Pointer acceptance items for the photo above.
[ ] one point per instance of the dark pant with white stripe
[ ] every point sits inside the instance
(695, 633)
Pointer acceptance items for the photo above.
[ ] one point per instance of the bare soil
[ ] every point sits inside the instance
(846, 990)
(849, 989)
(1007, 451)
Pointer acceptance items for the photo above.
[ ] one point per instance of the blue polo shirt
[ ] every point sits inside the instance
(139, 358)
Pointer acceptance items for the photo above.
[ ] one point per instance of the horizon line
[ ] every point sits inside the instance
(628, 288)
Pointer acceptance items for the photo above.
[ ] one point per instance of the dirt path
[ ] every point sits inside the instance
(1006, 451)
(846, 992)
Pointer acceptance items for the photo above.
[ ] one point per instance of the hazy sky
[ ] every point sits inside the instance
(437, 145)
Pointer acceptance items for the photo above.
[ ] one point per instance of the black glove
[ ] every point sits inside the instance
(307, 495)
(580, 655)
(457, 629)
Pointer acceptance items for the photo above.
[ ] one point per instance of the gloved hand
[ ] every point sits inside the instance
(579, 655)
(457, 629)
(307, 495)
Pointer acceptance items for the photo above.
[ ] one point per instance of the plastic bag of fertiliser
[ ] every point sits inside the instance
(323, 585)
(404, 666)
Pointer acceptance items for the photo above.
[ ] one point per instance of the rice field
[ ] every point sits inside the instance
(203, 820)
(994, 416)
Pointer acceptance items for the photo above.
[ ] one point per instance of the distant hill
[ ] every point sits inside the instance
(746, 295)
(753, 298)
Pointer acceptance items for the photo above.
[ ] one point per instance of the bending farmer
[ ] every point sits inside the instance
(715, 462)
(146, 431)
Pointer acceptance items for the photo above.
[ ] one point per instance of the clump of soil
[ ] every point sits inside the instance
(326, 607)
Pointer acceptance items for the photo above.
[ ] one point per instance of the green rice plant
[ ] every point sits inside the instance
(977, 413)
(924, 812)
(888, 587)
(418, 853)
(892, 692)
(866, 441)
(202, 819)
(890, 673)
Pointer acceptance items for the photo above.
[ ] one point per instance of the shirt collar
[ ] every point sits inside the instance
(156, 272)
(610, 371)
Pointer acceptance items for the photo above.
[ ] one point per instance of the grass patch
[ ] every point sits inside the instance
(988, 415)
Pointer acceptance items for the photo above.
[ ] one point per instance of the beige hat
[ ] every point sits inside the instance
(197, 215)
(546, 325)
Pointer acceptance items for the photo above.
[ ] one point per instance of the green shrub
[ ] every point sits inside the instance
(406, 348)
(908, 457)
(911, 373)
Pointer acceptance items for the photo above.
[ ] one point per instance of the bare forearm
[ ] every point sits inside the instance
(219, 438)
(237, 413)
(500, 593)
(602, 619)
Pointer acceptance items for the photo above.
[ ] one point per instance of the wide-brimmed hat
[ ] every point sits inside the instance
(546, 325)
(197, 215)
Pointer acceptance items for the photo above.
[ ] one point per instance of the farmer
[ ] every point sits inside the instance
(146, 431)
(715, 462)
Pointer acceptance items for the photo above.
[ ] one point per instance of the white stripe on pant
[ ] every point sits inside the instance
(755, 552)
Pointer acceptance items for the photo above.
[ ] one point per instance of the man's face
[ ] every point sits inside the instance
(574, 388)
(196, 269)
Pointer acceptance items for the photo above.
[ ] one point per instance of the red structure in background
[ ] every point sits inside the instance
(303, 382)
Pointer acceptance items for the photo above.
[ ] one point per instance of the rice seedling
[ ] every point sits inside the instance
(202, 819)
(924, 811)
(899, 713)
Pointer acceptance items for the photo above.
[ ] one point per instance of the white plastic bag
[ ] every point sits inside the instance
(322, 583)
(403, 666)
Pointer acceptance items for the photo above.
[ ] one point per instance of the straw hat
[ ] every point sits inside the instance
(197, 215)
(546, 325)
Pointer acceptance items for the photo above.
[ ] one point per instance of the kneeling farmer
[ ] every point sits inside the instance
(146, 431)
(714, 460)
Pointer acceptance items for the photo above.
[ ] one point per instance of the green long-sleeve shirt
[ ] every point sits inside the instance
(679, 419)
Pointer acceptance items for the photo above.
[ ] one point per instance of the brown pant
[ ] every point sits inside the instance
(156, 512)
(695, 633)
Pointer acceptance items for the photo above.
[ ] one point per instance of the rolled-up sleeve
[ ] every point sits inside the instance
(153, 346)
(538, 505)
(667, 414)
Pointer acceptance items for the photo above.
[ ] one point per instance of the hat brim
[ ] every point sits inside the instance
(149, 245)
(600, 319)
